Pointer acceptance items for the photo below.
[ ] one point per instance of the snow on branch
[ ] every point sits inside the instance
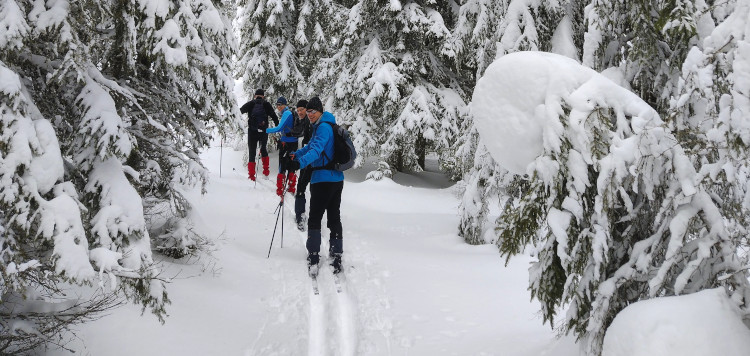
(616, 208)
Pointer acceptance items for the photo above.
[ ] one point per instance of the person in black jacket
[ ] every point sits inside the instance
(258, 111)
(304, 130)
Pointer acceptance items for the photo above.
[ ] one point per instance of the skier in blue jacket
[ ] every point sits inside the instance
(326, 186)
(288, 145)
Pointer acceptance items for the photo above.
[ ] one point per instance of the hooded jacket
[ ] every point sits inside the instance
(286, 125)
(313, 154)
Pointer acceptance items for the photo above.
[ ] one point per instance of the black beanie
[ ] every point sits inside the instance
(302, 103)
(260, 92)
(315, 104)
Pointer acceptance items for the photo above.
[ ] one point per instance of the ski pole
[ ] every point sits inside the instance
(283, 195)
(274, 234)
(279, 213)
(255, 184)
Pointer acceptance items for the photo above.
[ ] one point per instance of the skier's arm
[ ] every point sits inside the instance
(270, 112)
(284, 122)
(247, 107)
(314, 150)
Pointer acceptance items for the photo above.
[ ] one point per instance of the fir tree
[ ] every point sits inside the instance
(130, 100)
(616, 212)
(396, 60)
(646, 41)
(270, 33)
(709, 115)
(493, 29)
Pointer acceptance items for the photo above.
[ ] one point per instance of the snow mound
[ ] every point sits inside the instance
(698, 324)
(519, 102)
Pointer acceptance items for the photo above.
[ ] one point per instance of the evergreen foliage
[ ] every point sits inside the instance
(684, 59)
(269, 40)
(385, 71)
(104, 108)
(609, 228)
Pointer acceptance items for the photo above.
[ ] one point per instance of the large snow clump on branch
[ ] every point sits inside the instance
(516, 104)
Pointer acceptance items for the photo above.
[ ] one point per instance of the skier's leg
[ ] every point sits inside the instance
(282, 154)
(333, 211)
(300, 201)
(263, 138)
(252, 144)
(290, 148)
(318, 202)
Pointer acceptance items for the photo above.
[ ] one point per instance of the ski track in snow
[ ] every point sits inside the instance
(407, 282)
(333, 321)
(330, 321)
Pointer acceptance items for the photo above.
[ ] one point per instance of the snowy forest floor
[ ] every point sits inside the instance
(413, 287)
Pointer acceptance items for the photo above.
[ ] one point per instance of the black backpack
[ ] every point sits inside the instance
(258, 116)
(344, 153)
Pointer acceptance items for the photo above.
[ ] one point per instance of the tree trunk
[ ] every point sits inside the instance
(420, 148)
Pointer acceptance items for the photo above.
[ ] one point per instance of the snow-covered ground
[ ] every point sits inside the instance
(702, 323)
(413, 287)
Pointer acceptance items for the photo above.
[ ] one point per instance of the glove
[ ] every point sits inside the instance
(292, 165)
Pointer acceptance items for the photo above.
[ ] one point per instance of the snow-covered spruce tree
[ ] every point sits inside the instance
(43, 245)
(615, 209)
(316, 40)
(430, 114)
(394, 54)
(270, 44)
(513, 26)
(178, 87)
(51, 243)
(476, 34)
(487, 184)
(131, 99)
(710, 117)
(647, 42)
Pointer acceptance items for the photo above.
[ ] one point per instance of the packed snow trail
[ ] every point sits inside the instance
(317, 331)
(412, 286)
(341, 316)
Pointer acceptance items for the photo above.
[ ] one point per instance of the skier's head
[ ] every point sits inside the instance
(314, 109)
(259, 93)
(301, 108)
(281, 104)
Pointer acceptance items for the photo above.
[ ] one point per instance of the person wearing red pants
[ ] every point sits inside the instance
(258, 110)
(288, 145)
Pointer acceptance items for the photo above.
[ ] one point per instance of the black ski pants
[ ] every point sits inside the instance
(253, 139)
(325, 197)
(299, 198)
(285, 153)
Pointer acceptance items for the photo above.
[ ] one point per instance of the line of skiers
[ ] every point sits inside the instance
(314, 160)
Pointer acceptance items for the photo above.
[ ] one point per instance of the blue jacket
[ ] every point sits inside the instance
(312, 154)
(286, 125)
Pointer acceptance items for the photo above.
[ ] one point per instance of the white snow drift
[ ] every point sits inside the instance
(703, 323)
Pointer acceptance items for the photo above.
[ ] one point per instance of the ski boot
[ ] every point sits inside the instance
(335, 250)
(336, 263)
(312, 264)
(301, 222)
